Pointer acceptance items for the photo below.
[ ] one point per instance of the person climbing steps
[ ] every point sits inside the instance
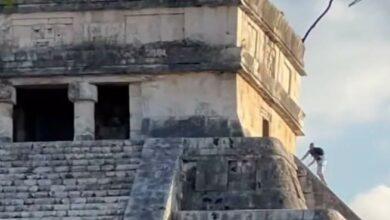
(318, 155)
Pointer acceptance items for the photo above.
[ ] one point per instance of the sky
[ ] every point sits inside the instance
(346, 97)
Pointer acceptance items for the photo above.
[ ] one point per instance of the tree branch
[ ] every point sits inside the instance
(354, 2)
(319, 19)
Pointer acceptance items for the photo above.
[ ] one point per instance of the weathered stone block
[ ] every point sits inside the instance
(292, 214)
(7, 94)
(82, 91)
(211, 174)
(153, 192)
(242, 175)
(6, 121)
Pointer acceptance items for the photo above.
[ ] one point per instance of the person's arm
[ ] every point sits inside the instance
(307, 154)
(311, 163)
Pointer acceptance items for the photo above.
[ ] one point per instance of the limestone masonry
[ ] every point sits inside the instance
(149, 110)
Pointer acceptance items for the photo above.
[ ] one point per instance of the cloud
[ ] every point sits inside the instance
(346, 95)
(374, 204)
(347, 64)
(349, 69)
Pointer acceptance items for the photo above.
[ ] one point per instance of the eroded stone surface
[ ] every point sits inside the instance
(213, 174)
(238, 173)
(84, 96)
(6, 122)
(127, 45)
(263, 9)
(82, 91)
(94, 180)
(193, 126)
(154, 190)
(260, 214)
(7, 102)
(7, 94)
(67, 180)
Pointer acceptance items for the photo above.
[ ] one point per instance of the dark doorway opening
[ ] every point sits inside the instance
(265, 128)
(112, 112)
(43, 115)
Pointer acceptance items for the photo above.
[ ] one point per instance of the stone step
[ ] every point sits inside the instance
(263, 214)
(85, 198)
(71, 144)
(71, 149)
(107, 217)
(62, 213)
(6, 178)
(57, 189)
(62, 194)
(61, 207)
(67, 180)
(79, 178)
(67, 169)
(69, 156)
(68, 162)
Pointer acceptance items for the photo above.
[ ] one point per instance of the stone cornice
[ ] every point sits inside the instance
(273, 23)
(103, 59)
(30, 6)
(274, 94)
(267, 16)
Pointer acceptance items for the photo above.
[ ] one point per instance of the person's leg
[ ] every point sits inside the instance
(320, 170)
(321, 175)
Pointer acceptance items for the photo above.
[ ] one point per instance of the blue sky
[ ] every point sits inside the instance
(346, 97)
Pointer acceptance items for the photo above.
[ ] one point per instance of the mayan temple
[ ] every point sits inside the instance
(153, 110)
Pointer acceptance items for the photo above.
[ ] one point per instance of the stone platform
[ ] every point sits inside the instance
(260, 214)
(163, 178)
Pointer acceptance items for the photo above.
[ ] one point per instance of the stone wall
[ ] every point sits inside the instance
(103, 59)
(260, 214)
(207, 105)
(267, 56)
(262, 10)
(267, 68)
(191, 105)
(238, 173)
(219, 178)
(252, 109)
(31, 41)
(212, 26)
(272, 21)
(26, 6)
(203, 104)
(122, 41)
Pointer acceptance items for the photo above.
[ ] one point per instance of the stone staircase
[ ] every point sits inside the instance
(318, 195)
(270, 214)
(93, 180)
(212, 179)
(67, 180)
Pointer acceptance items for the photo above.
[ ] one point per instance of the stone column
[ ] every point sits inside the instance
(84, 97)
(135, 110)
(7, 102)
